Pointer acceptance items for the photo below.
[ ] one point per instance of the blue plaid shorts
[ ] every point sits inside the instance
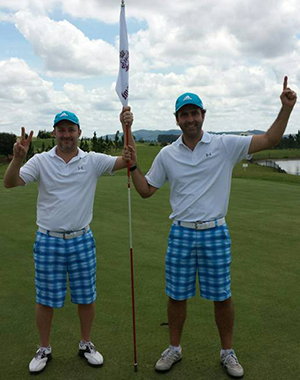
(55, 259)
(206, 251)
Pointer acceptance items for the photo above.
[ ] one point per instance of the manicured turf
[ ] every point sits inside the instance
(264, 222)
(277, 153)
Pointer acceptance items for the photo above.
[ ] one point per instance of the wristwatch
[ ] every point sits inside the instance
(133, 168)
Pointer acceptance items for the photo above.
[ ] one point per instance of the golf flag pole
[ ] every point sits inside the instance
(122, 89)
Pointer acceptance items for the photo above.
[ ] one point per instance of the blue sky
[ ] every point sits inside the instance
(63, 54)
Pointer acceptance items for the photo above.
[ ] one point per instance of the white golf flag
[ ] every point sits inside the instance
(122, 86)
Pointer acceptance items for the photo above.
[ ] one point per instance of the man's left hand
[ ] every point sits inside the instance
(288, 97)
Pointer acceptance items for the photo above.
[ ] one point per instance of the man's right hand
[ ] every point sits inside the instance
(22, 145)
(129, 155)
(12, 175)
(126, 117)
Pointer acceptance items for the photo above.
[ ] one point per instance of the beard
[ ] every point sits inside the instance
(67, 145)
(192, 130)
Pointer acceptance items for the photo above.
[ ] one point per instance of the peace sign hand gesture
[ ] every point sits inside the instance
(288, 97)
(22, 145)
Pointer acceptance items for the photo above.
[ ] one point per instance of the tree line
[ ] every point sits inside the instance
(290, 142)
(95, 144)
(106, 145)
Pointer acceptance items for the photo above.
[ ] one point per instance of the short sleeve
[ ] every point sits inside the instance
(157, 176)
(237, 147)
(30, 171)
(103, 163)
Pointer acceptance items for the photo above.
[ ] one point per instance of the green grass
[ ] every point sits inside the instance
(256, 171)
(264, 222)
(37, 143)
(277, 153)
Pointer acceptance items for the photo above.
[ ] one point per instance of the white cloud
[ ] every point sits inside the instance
(233, 53)
(27, 99)
(19, 84)
(6, 17)
(64, 49)
(41, 6)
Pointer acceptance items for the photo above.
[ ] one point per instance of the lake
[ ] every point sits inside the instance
(290, 166)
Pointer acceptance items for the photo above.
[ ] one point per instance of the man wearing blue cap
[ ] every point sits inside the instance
(198, 166)
(64, 245)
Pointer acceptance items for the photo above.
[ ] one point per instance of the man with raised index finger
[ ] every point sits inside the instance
(64, 248)
(198, 166)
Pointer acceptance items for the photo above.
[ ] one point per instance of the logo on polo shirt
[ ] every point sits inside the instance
(208, 154)
(80, 168)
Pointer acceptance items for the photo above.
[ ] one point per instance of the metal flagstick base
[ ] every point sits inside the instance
(131, 259)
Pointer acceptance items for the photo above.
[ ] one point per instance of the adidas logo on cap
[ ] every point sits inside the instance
(187, 98)
(63, 114)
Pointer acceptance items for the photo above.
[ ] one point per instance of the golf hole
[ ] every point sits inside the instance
(164, 324)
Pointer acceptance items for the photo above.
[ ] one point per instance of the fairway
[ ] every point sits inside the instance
(264, 222)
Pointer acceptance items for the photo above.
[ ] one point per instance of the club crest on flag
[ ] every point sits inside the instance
(124, 59)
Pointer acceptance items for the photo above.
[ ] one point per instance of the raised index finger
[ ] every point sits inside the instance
(285, 83)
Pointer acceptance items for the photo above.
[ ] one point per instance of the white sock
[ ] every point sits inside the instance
(226, 352)
(176, 348)
(46, 348)
(84, 342)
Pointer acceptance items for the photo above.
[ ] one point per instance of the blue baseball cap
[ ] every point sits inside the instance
(188, 98)
(66, 115)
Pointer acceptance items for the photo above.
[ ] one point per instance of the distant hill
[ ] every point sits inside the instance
(252, 132)
(148, 135)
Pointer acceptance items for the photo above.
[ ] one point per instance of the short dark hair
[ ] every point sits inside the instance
(203, 111)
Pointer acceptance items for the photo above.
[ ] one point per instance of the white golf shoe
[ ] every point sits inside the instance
(232, 365)
(167, 359)
(40, 360)
(88, 351)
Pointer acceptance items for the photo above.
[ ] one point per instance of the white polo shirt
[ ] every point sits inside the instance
(199, 180)
(66, 190)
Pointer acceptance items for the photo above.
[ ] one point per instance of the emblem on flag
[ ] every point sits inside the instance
(124, 59)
